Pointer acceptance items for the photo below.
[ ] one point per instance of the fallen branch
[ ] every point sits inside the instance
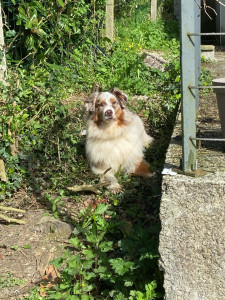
(91, 187)
(12, 209)
(88, 187)
(2, 171)
(11, 220)
(8, 219)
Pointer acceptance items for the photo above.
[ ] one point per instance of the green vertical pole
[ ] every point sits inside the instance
(189, 63)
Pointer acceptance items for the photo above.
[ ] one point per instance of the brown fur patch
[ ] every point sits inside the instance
(100, 102)
(98, 111)
(98, 117)
(113, 100)
(120, 117)
(143, 169)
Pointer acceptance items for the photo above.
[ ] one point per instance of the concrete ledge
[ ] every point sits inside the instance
(192, 240)
(208, 51)
(192, 213)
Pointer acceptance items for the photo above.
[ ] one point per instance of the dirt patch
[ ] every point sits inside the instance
(211, 153)
(26, 250)
(217, 67)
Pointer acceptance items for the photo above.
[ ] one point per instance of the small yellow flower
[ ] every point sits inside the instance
(82, 284)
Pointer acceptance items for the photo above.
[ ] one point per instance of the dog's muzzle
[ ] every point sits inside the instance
(109, 114)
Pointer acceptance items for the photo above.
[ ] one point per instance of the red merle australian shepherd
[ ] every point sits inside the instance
(116, 137)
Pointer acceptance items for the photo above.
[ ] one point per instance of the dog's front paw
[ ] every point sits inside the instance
(115, 188)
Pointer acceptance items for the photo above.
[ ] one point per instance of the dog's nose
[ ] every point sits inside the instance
(109, 113)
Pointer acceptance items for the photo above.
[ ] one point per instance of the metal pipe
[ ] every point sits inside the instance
(207, 139)
(207, 87)
(202, 33)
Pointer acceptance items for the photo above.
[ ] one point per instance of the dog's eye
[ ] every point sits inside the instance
(100, 104)
(114, 103)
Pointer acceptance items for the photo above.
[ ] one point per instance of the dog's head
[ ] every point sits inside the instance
(106, 106)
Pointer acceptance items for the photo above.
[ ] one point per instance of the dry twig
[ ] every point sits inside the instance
(88, 187)
(91, 187)
(2, 171)
(8, 219)
(207, 7)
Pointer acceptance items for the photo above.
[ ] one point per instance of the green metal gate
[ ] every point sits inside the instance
(190, 72)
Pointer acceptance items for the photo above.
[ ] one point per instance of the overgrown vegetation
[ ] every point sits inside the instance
(32, 110)
(110, 256)
(55, 52)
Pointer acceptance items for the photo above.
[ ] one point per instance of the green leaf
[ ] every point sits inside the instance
(27, 246)
(75, 242)
(87, 264)
(56, 67)
(61, 3)
(14, 247)
(100, 209)
(57, 262)
(89, 254)
(128, 283)
(92, 238)
(120, 266)
(74, 262)
(106, 246)
(94, 229)
(54, 207)
(89, 275)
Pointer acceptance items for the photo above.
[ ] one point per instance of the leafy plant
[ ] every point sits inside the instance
(96, 266)
(50, 30)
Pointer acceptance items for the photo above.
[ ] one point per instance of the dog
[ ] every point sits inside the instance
(115, 137)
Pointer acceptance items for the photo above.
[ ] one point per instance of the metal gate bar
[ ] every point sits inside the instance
(190, 65)
(203, 34)
(207, 139)
(207, 87)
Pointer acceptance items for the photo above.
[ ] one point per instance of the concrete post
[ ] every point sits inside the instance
(2, 79)
(2, 49)
(109, 23)
(153, 10)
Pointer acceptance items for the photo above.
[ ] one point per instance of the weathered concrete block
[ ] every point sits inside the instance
(192, 239)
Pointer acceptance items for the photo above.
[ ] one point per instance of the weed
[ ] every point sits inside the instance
(110, 256)
(8, 280)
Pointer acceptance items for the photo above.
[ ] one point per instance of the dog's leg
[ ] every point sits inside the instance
(146, 139)
(114, 184)
(142, 169)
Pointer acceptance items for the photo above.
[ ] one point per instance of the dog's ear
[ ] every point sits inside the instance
(90, 102)
(121, 96)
